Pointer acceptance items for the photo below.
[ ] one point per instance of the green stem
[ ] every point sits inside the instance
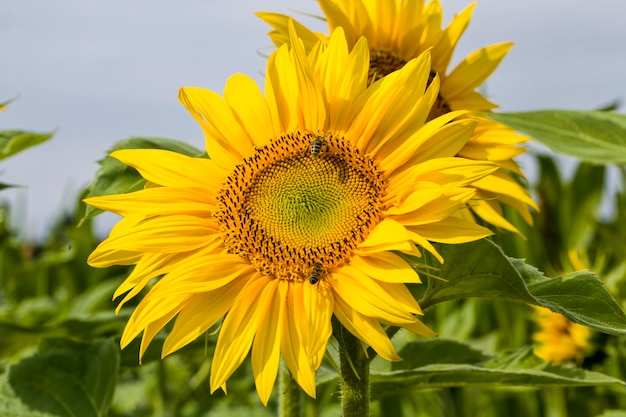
(354, 364)
(290, 396)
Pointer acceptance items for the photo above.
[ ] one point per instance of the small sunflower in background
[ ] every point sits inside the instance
(560, 340)
(399, 30)
(312, 191)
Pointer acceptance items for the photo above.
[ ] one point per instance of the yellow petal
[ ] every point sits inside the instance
(451, 230)
(447, 141)
(345, 75)
(160, 200)
(172, 169)
(420, 328)
(337, 16)
(318, 308)
(281, 91)
(176, 233)
(384, 233)
(385, 266)
(266, 347)
(202, 274)
(223, 133)
(436, 210)
(388, 108)
(201, 313)
(423, 242)
(365, 328)
(469, 101)
(310, 98)
(150, 311)
(237, 332)
(294, 336)
(443, 50)
(280, 34)
(250, 108)
(449, 172)
(102, 259)
(153, 328)
(149, 266)
(501, 184)
(490, 211)
(369, 297)
(474, 70)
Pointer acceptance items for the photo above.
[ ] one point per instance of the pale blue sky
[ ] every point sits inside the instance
(100, 71)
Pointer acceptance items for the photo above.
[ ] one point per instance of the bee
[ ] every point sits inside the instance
(316, 145)
(315, 274)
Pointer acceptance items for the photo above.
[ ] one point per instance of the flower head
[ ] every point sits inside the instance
(560, 340)
(311, 193)
(399, 30)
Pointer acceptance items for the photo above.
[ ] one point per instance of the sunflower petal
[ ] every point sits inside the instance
(159, 201)
(294, 336)
(250, 109)
(266, 347)
(238, 330)
(373, 300)
(474, 70)
(365, 328)
(172, 169)
(385, 266)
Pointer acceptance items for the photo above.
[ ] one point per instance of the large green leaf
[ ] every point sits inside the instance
(15, 141)
(480, 269)
(68, 379)
(519, 368)
(477, 269)
(597, 137)
(114, 177)
(582, 298)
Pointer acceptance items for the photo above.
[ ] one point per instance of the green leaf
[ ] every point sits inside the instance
(68, 379)
(418, 353)
(15, 141)
(582, 298)
(477, 269)
(597, 137)
(519, 368)
(4, 185)
(114, 177)
(480, 269)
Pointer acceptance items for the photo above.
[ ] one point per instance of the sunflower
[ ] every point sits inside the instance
(399, 30)
(312, 193)
(560, 340)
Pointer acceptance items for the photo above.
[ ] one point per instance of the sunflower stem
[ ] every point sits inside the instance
(290, 396)
(354, 364)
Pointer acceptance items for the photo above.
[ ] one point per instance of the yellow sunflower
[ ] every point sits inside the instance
(311, 192)
(560, 340)
(399, 30)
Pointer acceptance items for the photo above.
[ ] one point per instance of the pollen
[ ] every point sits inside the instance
(290, 211)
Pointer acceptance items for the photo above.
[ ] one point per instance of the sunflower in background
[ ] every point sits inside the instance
(560, 340)
(399, 30)
(311, 192)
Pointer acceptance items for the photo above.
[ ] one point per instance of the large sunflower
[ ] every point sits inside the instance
(310, 194)
(399, 30)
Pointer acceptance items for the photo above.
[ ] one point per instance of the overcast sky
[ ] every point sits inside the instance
(99, 71)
